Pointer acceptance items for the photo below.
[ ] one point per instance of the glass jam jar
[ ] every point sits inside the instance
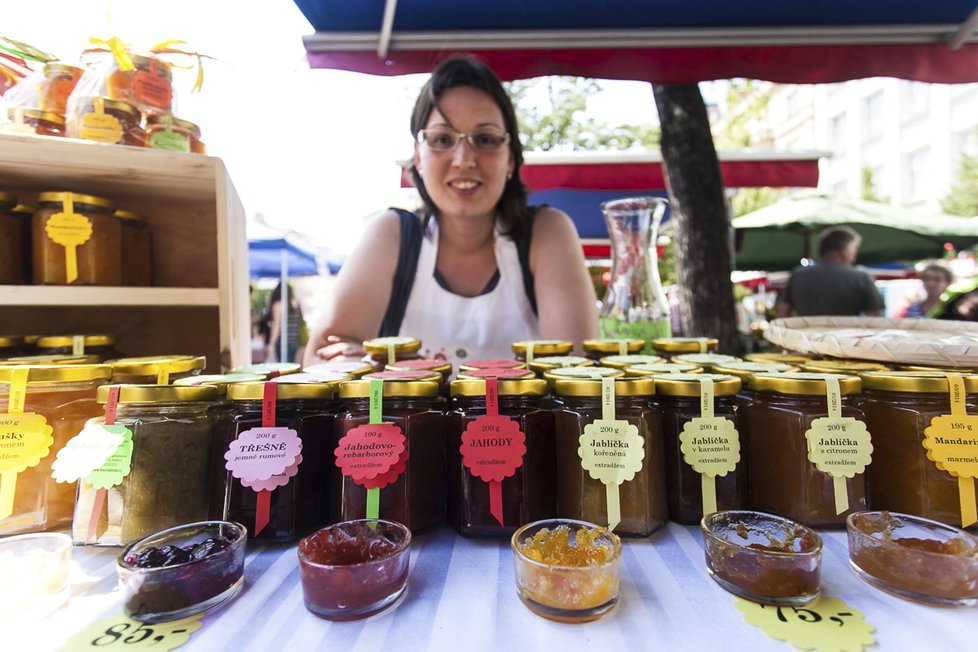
(744, 370)
(624, 361)
(679, 398)
(42, 123)
(148, 86)
(11, 346)
(706, 360)
(571, 373)
(382, 351)
(173, 134)
(899, 406)
(105, 120)
(783, 480)
(541, 365)
(527, 350)
(661, 368)
(64, 398)
(840, 366)
(98, 260)
(155, 370)
(793, 359)
(500, 363)
(354, 368)
(670, 346)
(581, 497)
(101, 345)
(168, 482)
(417, 497)
(59, 81)
(14, 232)
(442, 367)
(600, 348)
(301, 504)
(529, 494)
(137, 250)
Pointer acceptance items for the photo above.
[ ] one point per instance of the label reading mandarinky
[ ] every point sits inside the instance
(952, 445)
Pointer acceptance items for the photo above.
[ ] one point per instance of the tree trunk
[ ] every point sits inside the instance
(702, 230)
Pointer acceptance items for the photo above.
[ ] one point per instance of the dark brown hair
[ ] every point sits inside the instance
(466, 70)
(837, 238)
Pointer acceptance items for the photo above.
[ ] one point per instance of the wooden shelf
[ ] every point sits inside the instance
(33, 295)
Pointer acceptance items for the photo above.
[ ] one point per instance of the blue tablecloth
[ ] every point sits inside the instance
(461, 595)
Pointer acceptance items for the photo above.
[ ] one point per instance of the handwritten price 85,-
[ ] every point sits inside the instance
(122, 633)
(139, 634)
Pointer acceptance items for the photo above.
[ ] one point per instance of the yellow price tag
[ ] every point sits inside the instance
(70, 230)
(826, 624)
(123, 633)
(25, 439)
(951, 442)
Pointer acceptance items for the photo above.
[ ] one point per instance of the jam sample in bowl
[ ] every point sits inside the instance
(182, 571)
(762, 557)
(914, 558)
(354, 569)
(568, 571)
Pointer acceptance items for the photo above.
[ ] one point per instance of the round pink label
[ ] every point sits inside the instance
(391, 476)
(498, 373)
(370, 450)
(493, 447)
(259, 454)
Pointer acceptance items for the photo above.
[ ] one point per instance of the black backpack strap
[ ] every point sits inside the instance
(523, 239)
(407, 265)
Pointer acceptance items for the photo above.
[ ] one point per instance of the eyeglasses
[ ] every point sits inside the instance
(443, 140)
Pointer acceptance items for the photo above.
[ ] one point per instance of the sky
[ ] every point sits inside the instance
(313, 151)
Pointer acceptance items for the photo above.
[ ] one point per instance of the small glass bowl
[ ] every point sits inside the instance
(568, 594)
(34, 568)
(914, 558)
(154, 595)
(762, 557)
(369, 570)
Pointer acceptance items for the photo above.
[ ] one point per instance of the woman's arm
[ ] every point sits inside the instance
(566, 304)
(360, 295)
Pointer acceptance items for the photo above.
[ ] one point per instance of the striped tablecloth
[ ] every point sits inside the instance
(461, 595)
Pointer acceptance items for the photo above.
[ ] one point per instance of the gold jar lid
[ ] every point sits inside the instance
(522, 387)
(659, 368)
(423, 364)
(949, 370)
(502, 363)
(547, 362)
(623, 387)
(8, 341)
(705, 359)
(129, 216)
(7, 200)
(380, 345)
(159, 120)
(689, 384)
(108, 105)
(543, 347)
(840, 366)
(22, 210)
(221, 381)
(392, 388)
(89, 200)
(500, 373)
(605, 345)
(55, 373)
(783, 358)
(152, 365)
(322, 377)
(569, 373)
(744, 369)
(914, 382)
(415, 374)
(52, 358)
(284, 391)
(625, 361)
(35, 114)
(160, 393)
(355, 368)
(61, 341)
(684, 344)
(802, 383)
(269, 369)
(53, 68)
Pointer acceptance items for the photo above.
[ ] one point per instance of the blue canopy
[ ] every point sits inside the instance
(267, 247)
(584, 207)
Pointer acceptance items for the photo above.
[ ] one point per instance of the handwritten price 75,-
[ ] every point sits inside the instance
(827, 624)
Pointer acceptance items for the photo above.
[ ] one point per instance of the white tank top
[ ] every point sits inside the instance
(469, 328)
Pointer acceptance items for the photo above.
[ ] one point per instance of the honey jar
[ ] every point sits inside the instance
(600, 348)
(42, 123)
(137, 250)
(76, 240)
(173, 134)
(102, 346)
(59, 81)
(105, 120)
(155, 370)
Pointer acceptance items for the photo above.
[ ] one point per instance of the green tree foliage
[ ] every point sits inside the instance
(552, 112)
(868, 183)
(962, 199)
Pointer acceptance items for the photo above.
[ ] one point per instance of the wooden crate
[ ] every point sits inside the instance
(199, 304)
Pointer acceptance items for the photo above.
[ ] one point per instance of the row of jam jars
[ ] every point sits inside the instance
(900, 409)
(390, 451)
(610, 454)
(705, 460)
(803, 433)
(501, 456)
(273, 456)
(43, 406)
(157, 476)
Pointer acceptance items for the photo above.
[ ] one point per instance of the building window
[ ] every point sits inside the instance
(873, 116)
(794, 102)
(915, 98)
(837, 134)
(915, 173)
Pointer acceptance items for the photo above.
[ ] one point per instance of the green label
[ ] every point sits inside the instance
(115, 469)
(170, 141)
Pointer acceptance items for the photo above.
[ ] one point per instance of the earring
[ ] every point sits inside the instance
(509, 175)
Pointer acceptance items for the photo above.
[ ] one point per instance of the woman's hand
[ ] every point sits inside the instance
(339, 348)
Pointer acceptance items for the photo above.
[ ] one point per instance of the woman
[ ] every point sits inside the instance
(936, 278)
(293, 327)
(476, 269)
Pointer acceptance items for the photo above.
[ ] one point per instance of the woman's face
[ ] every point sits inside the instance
(934, 283)
(463, 181)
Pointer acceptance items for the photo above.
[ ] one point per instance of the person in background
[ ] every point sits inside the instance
(936, 278)
(294, 327)
(959, 301)
(832, 286)
(476, 268)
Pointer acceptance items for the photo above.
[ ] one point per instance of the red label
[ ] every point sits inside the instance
(498, 373)
(391, 476)
(152, 89)
(501, 363)
(400, 375)
(493, 448)
(370, 450)
(269, 396)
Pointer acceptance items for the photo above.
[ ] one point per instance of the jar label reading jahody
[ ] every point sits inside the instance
(102, 128)
(493, 448)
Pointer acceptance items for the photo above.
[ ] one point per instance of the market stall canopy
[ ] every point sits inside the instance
(269, 249)
(779, 236)
(662, 41)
